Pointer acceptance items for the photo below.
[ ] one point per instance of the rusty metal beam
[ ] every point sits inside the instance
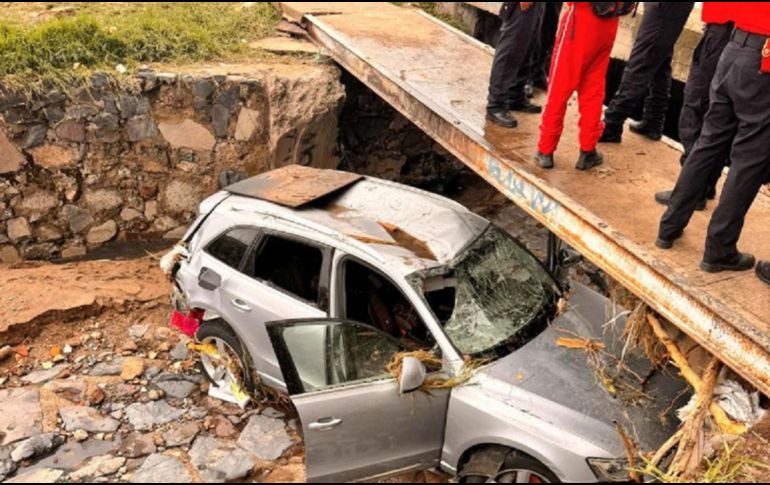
(625, 261)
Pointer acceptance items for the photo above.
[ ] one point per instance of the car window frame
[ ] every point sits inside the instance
(291, 377)
(247, 252)
(327, 254)
(341, 294)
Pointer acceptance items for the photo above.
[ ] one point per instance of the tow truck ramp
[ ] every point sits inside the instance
(437, 78)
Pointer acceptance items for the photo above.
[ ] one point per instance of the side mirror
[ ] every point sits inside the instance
(413, 374)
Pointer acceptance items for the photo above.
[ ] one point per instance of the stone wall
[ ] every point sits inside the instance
(100, 161)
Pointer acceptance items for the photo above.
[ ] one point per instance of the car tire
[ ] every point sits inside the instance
(516, 467)
(219, 331)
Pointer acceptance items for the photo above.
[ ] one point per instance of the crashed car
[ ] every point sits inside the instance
(311, 281)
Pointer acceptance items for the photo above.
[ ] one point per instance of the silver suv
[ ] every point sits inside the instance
(314, 279)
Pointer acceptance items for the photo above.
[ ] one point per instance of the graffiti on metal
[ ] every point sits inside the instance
(516, 187)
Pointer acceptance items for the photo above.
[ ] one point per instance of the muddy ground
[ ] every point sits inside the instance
(97, 387)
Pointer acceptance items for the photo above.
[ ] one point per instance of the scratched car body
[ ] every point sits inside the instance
(315, 299)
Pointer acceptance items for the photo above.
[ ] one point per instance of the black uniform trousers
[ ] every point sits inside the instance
(513, 50)
(737, 126)
(648, 72)
(540, 62)
(696, 92)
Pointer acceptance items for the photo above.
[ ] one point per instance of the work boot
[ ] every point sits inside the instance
(502, 118)
(739, 262)
(541, 83)
(589, 160)
(668, 243)
(646, 129)
(525, 106)
(613, 133)
(545, 161)
(664, 198)
(763, 271)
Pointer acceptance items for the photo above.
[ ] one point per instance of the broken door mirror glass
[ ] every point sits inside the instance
(494, 297)
(317, 355)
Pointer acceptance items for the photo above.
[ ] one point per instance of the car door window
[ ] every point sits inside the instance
(290, 265)
(231, 247)
(371, 298)
(321, 355)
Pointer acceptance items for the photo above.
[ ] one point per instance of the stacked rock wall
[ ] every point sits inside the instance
(86, 165)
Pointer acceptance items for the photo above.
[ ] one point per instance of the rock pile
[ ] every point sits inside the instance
(140, 415)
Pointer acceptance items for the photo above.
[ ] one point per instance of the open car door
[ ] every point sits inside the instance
(355, 423)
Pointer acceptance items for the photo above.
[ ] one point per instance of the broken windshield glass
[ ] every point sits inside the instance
(490, 295)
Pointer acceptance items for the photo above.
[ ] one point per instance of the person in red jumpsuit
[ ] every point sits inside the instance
(579, 64)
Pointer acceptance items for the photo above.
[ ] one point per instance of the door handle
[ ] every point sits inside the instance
(325, 424)
(240, 305)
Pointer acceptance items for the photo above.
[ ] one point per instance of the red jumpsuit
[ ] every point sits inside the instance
(581, 57)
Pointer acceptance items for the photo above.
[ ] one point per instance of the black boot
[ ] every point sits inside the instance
(613, 133)
(502, 118)
(668, 243)
(589, 160)
(664, 198)
(541, 82)
(739, 262)
(647, 129)
(763, 271)
(524, 106)
(545, 161)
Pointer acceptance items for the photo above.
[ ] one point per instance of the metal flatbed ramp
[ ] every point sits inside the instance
(437, 78)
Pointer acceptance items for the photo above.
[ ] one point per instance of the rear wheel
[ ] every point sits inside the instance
(223, 358)
(497, 464)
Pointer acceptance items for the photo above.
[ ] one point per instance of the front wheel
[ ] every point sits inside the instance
(497, 464)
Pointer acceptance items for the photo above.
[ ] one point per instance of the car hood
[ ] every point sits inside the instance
(570, 389)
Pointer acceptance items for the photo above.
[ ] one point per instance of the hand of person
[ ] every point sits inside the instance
(526, 5)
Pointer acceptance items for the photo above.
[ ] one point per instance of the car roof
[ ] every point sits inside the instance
(404, 228)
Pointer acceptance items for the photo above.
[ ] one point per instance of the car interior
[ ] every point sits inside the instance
(290, 265)
(372, 299)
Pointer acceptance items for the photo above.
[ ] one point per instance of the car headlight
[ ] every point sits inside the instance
(609, 469)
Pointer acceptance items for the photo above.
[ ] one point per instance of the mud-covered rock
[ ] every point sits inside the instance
(38, 475)
(87, 419)
(220, 461)
(21, 414)
(97, 467)
(176, 386)
(265, 437)
(143, 417)
(136, 445)
(36, 446)
(161, 469)
(181, 434)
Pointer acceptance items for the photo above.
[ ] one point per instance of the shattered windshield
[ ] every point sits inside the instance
(492, 296)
